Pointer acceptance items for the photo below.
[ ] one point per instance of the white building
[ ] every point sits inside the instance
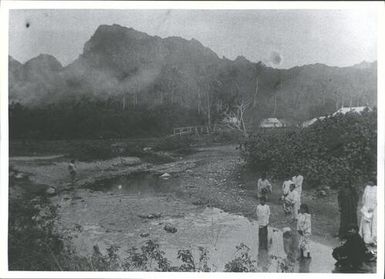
(342, 110)
(271, 123)
(345, 110)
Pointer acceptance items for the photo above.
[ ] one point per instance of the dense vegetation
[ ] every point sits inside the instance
(330, 152)
(92, 119)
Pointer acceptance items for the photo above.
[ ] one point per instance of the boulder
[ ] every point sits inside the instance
(51, 191)
(170, 228)
(150, 216)
(144, 234)
(322, 193)
(165, 175)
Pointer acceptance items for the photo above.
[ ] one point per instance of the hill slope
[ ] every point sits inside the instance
(133, 68)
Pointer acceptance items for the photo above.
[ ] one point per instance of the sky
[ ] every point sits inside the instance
(279, 38)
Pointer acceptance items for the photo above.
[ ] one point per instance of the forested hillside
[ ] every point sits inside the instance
(126, 82)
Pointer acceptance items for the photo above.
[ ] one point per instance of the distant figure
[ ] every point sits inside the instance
(263, 215)
(72, 170)
(298, 180)
(368, 225)
(263, 187)
(304, 230)
(352, 253)
(347, 203)
(285, 191)
(291, 202)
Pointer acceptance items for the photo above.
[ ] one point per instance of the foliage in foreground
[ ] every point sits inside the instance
(329, 152)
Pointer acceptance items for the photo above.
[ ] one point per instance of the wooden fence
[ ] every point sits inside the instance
(195, 130)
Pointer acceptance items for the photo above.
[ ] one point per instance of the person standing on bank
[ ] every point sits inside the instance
(304, 230)
(292, 202)
(72, 170)
(263, 215)
(298, 180)
(263, 187)
(368, 225)
(347, 203)
(285, 191)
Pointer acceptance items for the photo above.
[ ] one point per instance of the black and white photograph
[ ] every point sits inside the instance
(193, 139)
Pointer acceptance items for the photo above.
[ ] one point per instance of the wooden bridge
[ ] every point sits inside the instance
(195, 130)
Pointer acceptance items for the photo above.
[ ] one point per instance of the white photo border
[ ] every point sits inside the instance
(5, 6)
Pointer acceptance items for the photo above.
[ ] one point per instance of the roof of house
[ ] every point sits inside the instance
(271, 121)
(345, 110)
(342, 110)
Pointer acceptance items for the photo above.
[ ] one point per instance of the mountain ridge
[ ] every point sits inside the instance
(120, 62)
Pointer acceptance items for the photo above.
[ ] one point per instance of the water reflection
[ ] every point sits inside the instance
(108, 221)
(263, 259)
(304, 265)
(137, 184)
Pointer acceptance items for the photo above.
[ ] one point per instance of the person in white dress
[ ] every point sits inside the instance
(298, 180)
(304, 230)
(292, 201)
(368, 224)
(285, 191)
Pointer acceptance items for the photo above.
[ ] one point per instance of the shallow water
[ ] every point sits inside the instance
(109, 214)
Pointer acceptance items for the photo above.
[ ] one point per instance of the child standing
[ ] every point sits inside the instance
(72, 170)
(264, 187)
(304, 230)
(263, 215)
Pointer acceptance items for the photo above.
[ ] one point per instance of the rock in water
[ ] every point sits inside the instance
(170, 228)
(144, 234)
(150, 216)
(165, 175)
(322, 193)
(51, 191)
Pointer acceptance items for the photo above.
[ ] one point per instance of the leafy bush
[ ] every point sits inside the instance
(330, 152)
(243, 261)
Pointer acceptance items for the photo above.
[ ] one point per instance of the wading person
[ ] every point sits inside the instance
(304, 231)
(263, 187)
(292, 202)
(263, 215)
(347, 203)
(368, 224)
(72, 170)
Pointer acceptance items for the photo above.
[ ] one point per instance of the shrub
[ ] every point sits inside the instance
(242, 262)
(330, 152)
